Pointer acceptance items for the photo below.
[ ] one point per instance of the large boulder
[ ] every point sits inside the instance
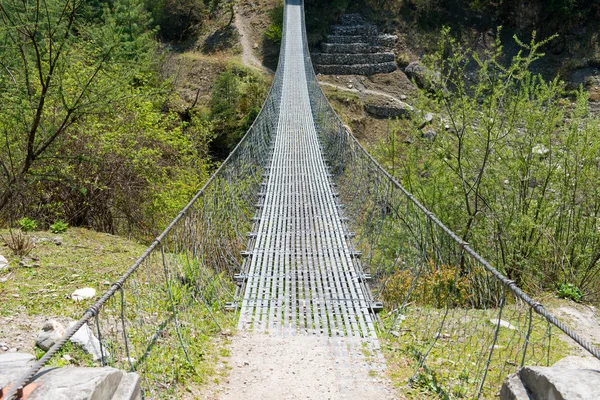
(422, 75)
(570, 378)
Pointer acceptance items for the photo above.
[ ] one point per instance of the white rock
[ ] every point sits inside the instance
(3, 263)
(540, 149)
(503, 324)
(83, 294)
(90, 343)
(51, 332)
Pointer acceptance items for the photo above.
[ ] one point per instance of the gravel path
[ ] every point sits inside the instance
(302, 367)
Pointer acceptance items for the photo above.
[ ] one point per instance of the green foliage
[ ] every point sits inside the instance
(513, 165)
(236, 99)
(569, 291)
(59, 227)
(274, 32)
(27, 224)
(436, 286)
(178, 19)
(101, 150)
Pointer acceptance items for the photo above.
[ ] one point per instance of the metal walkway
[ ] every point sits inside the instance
(302, 273)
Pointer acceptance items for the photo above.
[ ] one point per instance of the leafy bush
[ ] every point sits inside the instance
(513, 167)
(177, 19)
(435, 286)
(569, 291)
(59, 227)
(27, 224)
(236, 98)
(274, 31)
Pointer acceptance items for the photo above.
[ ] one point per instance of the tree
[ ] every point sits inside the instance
(48, 81)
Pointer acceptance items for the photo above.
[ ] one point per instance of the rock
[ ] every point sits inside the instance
(358, 69)
(3, 263)
(26, 262)
(383, 107)
(503, 324)
(16, 360)
(540, 149)
(51, 332)
(513, 389)
(422, 76)
(430, 134)
(86, 339)
(558, 383)
(78, 383)
(3, 347)
(67, 358)
(57, 241)
(83, 294)
(403, 97)
(574, 362)
(351, 59)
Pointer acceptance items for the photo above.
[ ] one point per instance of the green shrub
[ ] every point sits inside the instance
(513, 166)
(569, 291)
(27, 224)
(59, 227)
(274, 33)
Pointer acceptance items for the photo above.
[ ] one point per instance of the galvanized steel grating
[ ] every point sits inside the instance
(302, 274)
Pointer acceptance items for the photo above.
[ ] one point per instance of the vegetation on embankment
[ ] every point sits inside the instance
(509, 161)
(94, 126)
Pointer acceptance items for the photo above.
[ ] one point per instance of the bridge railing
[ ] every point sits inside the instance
(461, 326)
(157, 318)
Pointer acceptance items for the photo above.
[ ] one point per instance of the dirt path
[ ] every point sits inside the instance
(361, 91)
(302, 367)
(248, 57)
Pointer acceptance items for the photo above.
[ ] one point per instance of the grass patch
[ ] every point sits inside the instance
(455, 364)
(83, 258)
(154, 339)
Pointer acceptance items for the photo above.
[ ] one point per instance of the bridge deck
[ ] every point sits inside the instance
(302, 274)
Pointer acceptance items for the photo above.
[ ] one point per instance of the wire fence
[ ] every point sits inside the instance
(463, 326)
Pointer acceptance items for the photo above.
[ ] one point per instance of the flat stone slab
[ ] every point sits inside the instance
(560, 383)
(16, 360)
(70, 383)
(575, 362)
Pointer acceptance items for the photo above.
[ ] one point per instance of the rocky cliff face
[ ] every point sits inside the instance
(355, 47)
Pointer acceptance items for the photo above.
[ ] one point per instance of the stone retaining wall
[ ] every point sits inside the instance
(355, 48)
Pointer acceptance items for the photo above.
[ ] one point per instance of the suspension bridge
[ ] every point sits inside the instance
(299, 232)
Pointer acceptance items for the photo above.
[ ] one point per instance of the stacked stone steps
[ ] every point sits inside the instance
(379, 40)
(355, 47)
(352, 59)
(354, 30)
(358, 69)
(352, 48)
